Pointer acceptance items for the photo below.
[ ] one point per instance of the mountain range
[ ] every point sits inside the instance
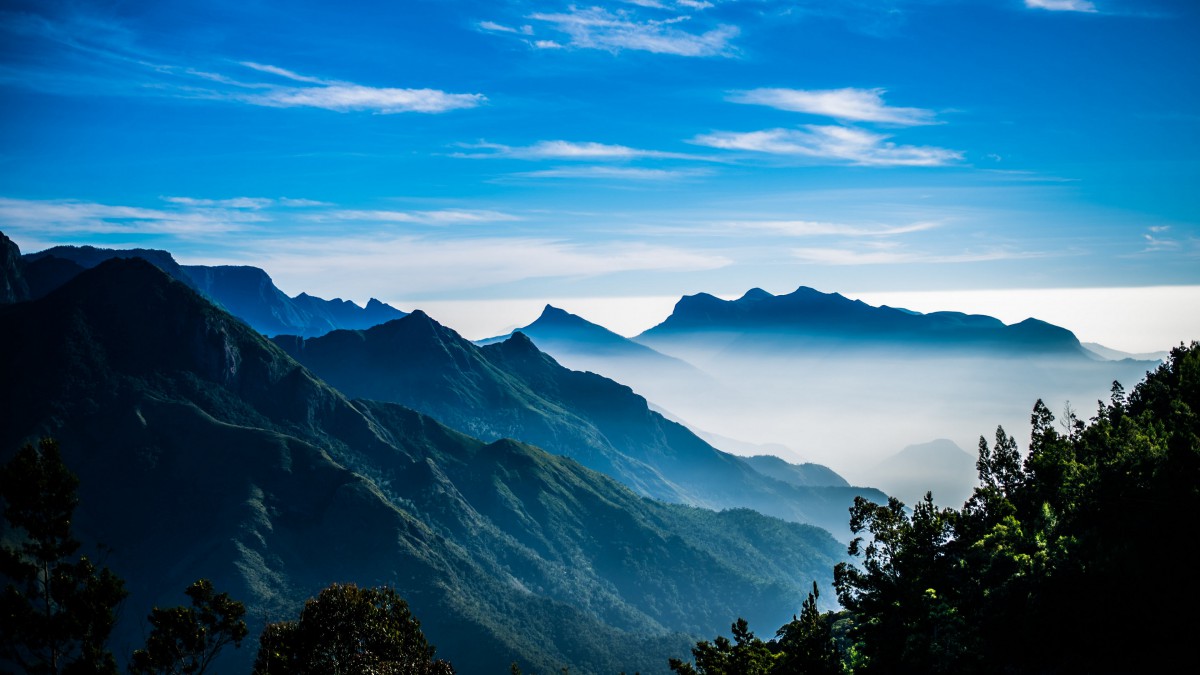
(203, 449)
(246, 292)
(580, 344)
(844, 383)
(703, 327)
(512, 389)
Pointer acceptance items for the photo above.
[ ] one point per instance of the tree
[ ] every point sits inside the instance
(745, 655)
(57, 610)
(347, 630)
(806, 644)
(185, 640)
(904, 594)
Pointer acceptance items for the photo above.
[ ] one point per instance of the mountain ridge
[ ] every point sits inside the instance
(247, 292)
(806, 315)
(514, 389)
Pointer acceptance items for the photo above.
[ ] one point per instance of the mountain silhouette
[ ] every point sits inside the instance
(705, 325)
(246, 292)
(250, 294)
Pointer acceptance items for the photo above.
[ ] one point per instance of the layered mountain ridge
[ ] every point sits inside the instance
(246, 292)
(513, 389)
(204, 450)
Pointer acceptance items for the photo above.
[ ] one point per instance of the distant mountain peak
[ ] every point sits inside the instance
(550, 313)
(419, 315)
(756, 294)
(519, 344)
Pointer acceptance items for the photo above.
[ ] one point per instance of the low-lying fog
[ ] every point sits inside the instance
(851, 409)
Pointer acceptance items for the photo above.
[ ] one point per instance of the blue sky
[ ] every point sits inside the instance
(481, 157)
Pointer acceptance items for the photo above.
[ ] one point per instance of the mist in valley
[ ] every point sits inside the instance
(852, 409)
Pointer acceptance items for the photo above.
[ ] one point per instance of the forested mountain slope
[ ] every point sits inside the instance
(204, 450)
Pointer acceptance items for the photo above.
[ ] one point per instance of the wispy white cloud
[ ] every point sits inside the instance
(894, 255)
(348, 96)
(844, 144)
(347, 265)
(663, 4)
(856, 105)
(493, 27)
(615, 31)
(568, 150)
(234, 203)
(283, 72)
(433, 217)
(614, 173)
(1158, 239)
(1062, 5)
(82, 217)
(105, 56)
(807, 228)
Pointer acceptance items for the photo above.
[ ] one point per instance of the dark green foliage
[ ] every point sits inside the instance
(899, 594)
(806, 645)
(746, 654)
(347, 630)
(185, 640)
(56, 611)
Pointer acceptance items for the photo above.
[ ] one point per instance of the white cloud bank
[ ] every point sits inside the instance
(855, 105)
(845, 144)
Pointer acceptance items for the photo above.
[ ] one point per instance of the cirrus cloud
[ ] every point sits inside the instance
(1062, 5)
(312, 92)
(837, 143)
(567, 150)
(599, 28)
(855, 105)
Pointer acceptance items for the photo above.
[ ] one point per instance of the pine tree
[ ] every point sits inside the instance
(57, 610)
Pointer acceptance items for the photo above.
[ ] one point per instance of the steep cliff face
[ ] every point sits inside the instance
(13, 287)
